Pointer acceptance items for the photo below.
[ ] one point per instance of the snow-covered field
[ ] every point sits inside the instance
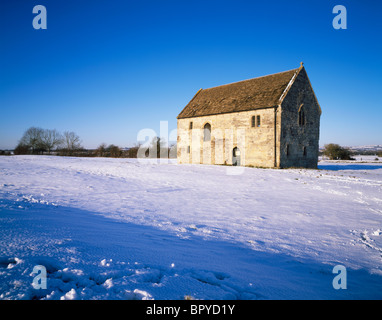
(123, 229)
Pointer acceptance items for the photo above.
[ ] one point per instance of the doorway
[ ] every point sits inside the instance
(236, 161)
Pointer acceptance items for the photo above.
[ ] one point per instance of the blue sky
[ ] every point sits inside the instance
(107, 69)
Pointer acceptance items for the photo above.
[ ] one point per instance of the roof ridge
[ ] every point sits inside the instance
(290, 83)
(268, 75)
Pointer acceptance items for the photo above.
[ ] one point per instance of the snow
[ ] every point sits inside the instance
(127, 229)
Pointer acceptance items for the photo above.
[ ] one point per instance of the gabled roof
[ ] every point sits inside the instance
(252, 94)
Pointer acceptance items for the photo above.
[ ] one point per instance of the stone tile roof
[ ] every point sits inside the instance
(239, 96)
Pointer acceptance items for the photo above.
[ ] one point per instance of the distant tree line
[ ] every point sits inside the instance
(367, 152)
(156, 149)
(45, 141)
(41, 141)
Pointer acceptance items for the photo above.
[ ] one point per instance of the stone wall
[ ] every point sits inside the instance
(294, 136)
(228, 131)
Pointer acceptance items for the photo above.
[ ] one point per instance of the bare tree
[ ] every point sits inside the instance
(51, 139)
(71, 142)
(32, 139)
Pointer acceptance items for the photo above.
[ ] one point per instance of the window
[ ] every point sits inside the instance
(301, 117)
(207, 132)
(191, 125)
(304, 151)
(255, 121)
(188, 149)
(287, 150)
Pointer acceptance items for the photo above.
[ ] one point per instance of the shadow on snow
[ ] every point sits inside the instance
(84, 250)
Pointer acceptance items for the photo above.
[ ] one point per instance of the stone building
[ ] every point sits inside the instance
(270, 121)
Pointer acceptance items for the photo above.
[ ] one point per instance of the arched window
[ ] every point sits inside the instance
(301, 116)
(207, 132)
